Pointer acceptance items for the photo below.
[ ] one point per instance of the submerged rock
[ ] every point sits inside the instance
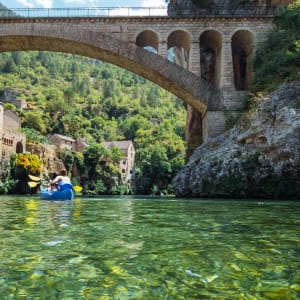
(259, 157)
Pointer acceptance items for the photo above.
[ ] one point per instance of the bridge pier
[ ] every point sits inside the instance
(194, 58)
(213, 123)
(163, 49)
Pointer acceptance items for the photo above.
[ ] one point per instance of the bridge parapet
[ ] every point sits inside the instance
(172, 11)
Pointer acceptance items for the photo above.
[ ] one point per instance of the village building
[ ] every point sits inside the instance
(12, 140)
(78, 145)
(62, 141)
(127, 160)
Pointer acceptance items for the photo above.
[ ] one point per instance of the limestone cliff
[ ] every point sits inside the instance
(223, 7)
(48, 155)
(259, 157)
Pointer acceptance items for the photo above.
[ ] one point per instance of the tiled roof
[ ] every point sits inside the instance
(124, 145)
(63, 137)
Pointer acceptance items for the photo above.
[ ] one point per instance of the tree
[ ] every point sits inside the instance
(93, 156)
(132, 124)
(9, 66)
(278, 58)
(69, 96)
(34, 120)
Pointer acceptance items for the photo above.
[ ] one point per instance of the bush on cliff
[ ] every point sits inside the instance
(278, 59)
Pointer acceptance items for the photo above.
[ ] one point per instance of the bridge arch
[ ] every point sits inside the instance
(70, 38)
(179, 41)
(147, 38)
(210, 56)
(242, 52)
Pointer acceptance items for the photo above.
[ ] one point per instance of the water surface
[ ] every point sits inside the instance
(149, 248)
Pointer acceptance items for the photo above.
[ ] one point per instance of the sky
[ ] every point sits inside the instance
(81, 3)
(117, 4)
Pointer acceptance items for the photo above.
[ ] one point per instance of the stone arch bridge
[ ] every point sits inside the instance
(211, 79)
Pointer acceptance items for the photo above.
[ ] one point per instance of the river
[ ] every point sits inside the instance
(149, 248)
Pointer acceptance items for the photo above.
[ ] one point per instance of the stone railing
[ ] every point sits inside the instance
(171, 10)
(82, 12)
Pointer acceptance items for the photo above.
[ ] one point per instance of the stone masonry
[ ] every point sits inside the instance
(121, 41)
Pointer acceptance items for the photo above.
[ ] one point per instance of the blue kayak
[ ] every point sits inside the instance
(57, 195)
(65, 193)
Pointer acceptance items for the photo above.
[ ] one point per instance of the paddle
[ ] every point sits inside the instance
(77, 188)
(33, 184)
(34, 178)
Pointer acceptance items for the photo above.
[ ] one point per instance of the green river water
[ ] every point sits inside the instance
(149, 248)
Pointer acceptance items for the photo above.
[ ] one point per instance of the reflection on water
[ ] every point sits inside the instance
(134, 248)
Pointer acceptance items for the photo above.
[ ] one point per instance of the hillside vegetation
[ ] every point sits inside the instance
(277, 60)
(81, 97)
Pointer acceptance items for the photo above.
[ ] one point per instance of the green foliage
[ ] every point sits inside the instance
(81, 97)
(34, 136)
(93, 156)
(67, 156)
(7, 183)
(10, 106)
(278, 59)
(116, 155)
(29, 162)
(33, 120)
(101, 168)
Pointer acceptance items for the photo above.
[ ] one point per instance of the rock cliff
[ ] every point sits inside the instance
(223, 7)
(48, 155)
(259, 157)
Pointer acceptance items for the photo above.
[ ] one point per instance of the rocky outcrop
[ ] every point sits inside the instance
(223, 7)
(48, 155)
(259, 157)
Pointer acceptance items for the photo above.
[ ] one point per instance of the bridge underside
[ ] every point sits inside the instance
(69, 38)
(199, 94)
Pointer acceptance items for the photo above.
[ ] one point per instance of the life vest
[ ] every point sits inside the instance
(63, 186)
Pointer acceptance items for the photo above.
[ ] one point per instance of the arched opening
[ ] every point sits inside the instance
(96, 45)
(148, 40)
(242, 45)
(210, 56)
(19, 147)
(179, 48)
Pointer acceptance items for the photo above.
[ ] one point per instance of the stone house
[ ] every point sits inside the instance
(19, 103)
(62, 141)
(78, 145)
(127, 160)
(12, 140)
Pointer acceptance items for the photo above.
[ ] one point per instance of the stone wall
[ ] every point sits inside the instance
(114, 40)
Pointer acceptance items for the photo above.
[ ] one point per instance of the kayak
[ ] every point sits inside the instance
(57, 195)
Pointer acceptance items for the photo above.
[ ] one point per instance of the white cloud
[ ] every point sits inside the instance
(26, 3)
(44, 3)
(153, 3)
(36, 3)
(82, 3)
